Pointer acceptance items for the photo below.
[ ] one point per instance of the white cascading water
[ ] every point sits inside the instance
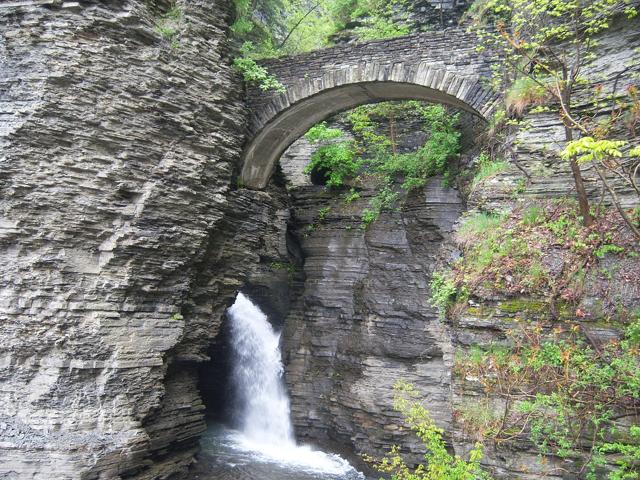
(262, 405)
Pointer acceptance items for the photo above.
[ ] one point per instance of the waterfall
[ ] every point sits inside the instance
(262, 405)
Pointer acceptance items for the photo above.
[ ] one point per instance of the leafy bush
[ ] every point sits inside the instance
(602, 250)
(365, 128)
(321, 133)
(254, 73)
(323, 212)
(351, 196)
(382, 200)
(380, 18)
(336, 162)
(429, 160)
(556, 389)
(444, 292)
(439, 463)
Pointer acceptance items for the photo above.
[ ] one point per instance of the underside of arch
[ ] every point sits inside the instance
(265, 148)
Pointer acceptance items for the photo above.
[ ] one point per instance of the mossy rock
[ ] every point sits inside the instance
(530, 306)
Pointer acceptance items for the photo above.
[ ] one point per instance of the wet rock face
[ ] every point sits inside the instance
(120, 243)
(362, 320)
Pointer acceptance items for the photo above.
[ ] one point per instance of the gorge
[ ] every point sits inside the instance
(143, 189)
(262, 443)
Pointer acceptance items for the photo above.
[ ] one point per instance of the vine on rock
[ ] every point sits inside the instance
(439, 463)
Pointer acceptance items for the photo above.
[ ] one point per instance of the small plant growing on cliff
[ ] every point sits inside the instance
(524, 93)
(383, 200)
(336, 161)
(444, 293)
(487, 168)
(320, 132)
(439, 463)
(606, 154)
(323, 212)
(168, 25)
(254, 73)
(380, 27)
(283, 266)
(352, 196)
(565, 395)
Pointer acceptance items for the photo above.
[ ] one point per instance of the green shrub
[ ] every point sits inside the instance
(321, 133)
(351, 196)
(602, 250)
(626, 456)
(368, 217)
(380, 18)
(380, 28)
(323, 212)
(242, 26)
(555, 388)
(336, 162)
(254, 73)
(439, 463)
(339, 160)
(444, 293)
(382, 200)
(432, 158)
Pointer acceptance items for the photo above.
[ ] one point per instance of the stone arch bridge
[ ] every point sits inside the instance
(442, 67)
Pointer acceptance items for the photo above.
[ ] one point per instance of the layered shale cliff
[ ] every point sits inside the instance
(121, 243)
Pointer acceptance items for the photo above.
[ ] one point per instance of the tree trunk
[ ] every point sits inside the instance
(583, 200)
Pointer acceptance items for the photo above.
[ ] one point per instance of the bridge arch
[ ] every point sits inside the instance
(324, 89)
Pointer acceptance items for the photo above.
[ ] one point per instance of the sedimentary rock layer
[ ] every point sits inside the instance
(117, 149)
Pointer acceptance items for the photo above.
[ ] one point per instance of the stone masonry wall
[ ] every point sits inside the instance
(451, 47)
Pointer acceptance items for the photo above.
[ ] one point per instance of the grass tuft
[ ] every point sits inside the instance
(524, 93)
